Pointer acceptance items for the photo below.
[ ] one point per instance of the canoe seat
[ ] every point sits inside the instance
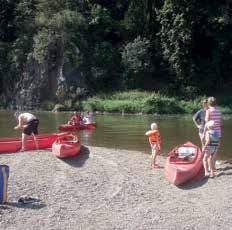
(186, 151)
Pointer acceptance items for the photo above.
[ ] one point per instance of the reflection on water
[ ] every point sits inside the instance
(87, 135)
(125, 131)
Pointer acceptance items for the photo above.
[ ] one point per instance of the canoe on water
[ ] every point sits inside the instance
(183, 163)
(66, 146)
(68, 127)
(15, 144)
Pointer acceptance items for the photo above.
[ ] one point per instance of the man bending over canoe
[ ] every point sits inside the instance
(29, 124)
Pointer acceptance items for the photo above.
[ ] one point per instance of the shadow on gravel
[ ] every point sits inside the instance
(194, 184)
(199, 181)
(79, 160)
(33, 203)
(228, 162)
(224, 171)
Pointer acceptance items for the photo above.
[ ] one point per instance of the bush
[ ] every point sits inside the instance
(161, 104)
(131, 95)
(224, 101)
(142, 102)
(93, 104)
(225, 110)
(78, 106)
(47, 105)
(190, 106)
(126, 106)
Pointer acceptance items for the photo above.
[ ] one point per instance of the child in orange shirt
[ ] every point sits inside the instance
(155, 141)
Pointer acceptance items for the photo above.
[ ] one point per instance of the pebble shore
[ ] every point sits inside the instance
(110, 189)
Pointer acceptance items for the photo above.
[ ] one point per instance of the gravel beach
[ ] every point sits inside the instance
(110, 189)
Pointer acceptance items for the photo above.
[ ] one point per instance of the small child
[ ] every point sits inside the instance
(88, 118)
(210, 148)
(155, 141)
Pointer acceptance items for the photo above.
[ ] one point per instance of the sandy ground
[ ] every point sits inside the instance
(110, 189)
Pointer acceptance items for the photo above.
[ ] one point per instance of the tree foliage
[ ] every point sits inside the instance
(182, 47)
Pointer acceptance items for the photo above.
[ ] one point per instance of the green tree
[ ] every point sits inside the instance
(136, 58)
(176, 38)
(7, 37)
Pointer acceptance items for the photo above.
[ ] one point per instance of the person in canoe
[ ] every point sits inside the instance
(155, 142)
(29, 124)
(76, 119)
(213, 114)
(199, 119)
(210, 148)
(87, 119)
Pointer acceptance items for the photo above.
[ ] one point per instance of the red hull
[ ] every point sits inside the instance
(181, 167)
(67, 127)
(68, 146)
(15, 144)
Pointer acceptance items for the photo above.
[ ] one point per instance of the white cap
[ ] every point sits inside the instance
(210, 124)
(154, 126)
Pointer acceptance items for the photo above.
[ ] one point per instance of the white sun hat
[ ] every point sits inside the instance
(154, 126)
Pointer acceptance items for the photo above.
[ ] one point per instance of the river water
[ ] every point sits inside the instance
(125, 131)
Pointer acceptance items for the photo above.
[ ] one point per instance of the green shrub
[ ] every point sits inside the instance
(225, 110)
(3, 105)
(190, 106)
(143, 102)
(78, 106)
(126, 106)
(224, 101)
(93, 104)
(162, 104)
(130, 95)
(47, 105)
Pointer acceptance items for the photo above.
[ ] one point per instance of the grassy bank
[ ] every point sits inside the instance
(144, 103)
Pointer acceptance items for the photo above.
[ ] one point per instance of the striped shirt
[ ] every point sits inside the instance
(215, 115)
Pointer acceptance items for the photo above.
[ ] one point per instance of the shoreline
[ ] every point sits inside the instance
(112, 113)
(105, 188)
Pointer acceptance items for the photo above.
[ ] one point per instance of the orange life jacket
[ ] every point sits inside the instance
(154, 135)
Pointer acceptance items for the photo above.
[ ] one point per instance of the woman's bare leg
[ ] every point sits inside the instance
(211, 166)
(205, 163)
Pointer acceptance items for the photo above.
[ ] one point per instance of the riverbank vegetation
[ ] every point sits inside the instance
(139, 102)
(67, 50)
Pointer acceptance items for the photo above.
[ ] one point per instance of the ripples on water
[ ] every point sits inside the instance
(125, 131)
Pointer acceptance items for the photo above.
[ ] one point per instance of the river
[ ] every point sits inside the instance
(125, 131)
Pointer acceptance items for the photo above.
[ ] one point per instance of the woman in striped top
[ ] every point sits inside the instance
(213, 114)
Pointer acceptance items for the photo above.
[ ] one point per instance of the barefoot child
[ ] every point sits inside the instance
(210, 148)
(155, 141)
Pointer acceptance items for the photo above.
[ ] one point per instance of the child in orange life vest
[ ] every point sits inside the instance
(155, 141)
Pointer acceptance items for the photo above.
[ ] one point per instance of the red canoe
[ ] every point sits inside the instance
(67, 146)
(15, 144)
(183, 163)
(67, 127)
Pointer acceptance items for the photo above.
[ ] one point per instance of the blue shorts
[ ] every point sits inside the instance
(211, 149)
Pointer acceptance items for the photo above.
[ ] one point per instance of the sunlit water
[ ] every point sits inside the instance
(125, 131)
